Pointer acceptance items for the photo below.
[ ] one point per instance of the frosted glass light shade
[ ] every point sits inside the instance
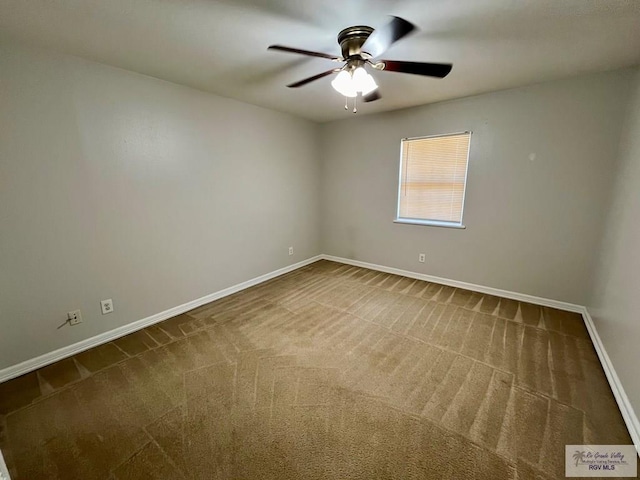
(350, 84)
(343, 84)
(359, 78)
(369, 85)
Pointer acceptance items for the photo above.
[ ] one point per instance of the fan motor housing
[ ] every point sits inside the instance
(351, 40)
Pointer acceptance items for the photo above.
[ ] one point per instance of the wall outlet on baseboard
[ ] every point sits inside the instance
(290, 250)
(74, 317)
(106, 306)
(421, 258)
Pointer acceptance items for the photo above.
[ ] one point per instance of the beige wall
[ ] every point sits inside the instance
(116, 185)
(532, 225)
(615, 301)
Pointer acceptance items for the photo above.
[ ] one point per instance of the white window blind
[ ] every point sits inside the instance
(433, 175)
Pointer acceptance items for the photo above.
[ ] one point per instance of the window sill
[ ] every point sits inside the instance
(429, 223)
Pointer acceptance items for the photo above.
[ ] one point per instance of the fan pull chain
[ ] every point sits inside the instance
(346, 104)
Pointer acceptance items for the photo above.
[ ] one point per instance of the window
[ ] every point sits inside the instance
(433, 176)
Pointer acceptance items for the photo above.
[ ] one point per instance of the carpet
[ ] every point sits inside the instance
(328, 372)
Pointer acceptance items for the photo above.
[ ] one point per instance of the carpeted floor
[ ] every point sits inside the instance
(329, 372)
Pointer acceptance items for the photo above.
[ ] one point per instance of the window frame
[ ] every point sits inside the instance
(426, 222)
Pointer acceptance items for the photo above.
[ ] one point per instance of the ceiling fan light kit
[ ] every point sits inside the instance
(360, 45)
(350, 83)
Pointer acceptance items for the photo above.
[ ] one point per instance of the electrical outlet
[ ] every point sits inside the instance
(421, 258)
(106, 306)
(290, 250)
(74, 318)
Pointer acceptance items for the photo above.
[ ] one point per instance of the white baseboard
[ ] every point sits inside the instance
(522, 297)
(4, 472)
(52, 357)
(626, 409)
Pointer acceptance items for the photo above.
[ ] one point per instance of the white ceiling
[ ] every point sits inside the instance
(221, 46)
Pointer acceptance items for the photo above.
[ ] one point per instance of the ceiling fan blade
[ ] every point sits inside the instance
(304, 52)
(311, 79)
(439, 70)
(382, 38)
(373, 96)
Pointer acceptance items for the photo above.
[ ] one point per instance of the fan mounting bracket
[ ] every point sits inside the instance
(351, 40)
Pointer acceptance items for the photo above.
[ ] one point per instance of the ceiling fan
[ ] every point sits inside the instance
(361, 46)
